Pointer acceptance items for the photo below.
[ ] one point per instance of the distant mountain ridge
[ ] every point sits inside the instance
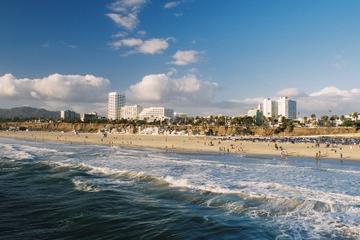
(28, 113)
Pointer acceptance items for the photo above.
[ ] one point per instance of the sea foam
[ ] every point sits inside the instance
(299, 199)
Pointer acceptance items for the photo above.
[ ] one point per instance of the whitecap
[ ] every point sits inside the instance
(84, 185)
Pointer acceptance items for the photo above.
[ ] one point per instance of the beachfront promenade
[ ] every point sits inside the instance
(344, 147)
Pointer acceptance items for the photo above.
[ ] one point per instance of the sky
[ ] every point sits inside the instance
(196, 56)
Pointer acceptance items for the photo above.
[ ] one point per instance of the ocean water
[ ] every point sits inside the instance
(67, 191)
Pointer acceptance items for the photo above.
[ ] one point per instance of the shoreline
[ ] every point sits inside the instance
(197, 144)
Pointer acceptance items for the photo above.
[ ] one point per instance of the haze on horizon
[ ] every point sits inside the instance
(195, 57)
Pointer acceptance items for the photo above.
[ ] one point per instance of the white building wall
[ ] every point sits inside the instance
(283, 109)
(287, 108)
(68, 115)
(180, 115)
(131, 112)
(115, 102)
(88, 117)
(156, 113)
(269, 108)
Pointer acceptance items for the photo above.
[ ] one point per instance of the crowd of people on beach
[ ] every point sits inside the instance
(315, 140)
(332, 144)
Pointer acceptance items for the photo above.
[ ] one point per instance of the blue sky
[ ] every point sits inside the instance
(230, 53)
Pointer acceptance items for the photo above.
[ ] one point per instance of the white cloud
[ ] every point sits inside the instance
(125, 13)
(150, 46)
(127, 21)
(126, 5)
(335, 92)
(187, 84)
(172, 4)
(189, 93)
(152, 88)
(55, 87)
(290, 92)
(331, 98)
(184, 93)
(187, 90)
(339, 101)
(127, 42)
(185, 57)
(7, 86)
(153, 46)
(251, 102)
(119, 35)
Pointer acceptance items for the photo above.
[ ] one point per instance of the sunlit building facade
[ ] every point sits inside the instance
(115, 102)
(156, 113)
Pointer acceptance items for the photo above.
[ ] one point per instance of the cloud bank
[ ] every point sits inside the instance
(191, 94)
(55, 87)
(164, 88)
(331, 98)
(187, 92)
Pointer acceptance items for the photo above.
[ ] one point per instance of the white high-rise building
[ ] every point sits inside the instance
(287, 108)
(131, 112)
(156, 113)
(284, 107)
(269, 108)
(115, 102)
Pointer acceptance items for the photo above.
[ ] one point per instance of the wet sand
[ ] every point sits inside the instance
(195, 144)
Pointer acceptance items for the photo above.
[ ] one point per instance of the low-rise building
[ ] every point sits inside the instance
(352, 116)
(69, 116)
(180, 115)
(131, 112)
(257, 114)
(156, 113)
(89, 117)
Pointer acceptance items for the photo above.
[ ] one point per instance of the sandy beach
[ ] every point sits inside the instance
(195, 144)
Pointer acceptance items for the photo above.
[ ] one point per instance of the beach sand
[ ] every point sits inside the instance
(192, 144)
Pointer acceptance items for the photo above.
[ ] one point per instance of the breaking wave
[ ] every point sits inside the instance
(297, 198)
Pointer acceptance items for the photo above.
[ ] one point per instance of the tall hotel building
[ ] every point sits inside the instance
(287, 108)
(283, 107)
(270, 108)
(115, 102)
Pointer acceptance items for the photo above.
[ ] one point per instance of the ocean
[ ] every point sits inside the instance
(67, 191)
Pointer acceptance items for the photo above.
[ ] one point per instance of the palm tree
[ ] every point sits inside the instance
(324, 120)
(332, 119)
(355, 115)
